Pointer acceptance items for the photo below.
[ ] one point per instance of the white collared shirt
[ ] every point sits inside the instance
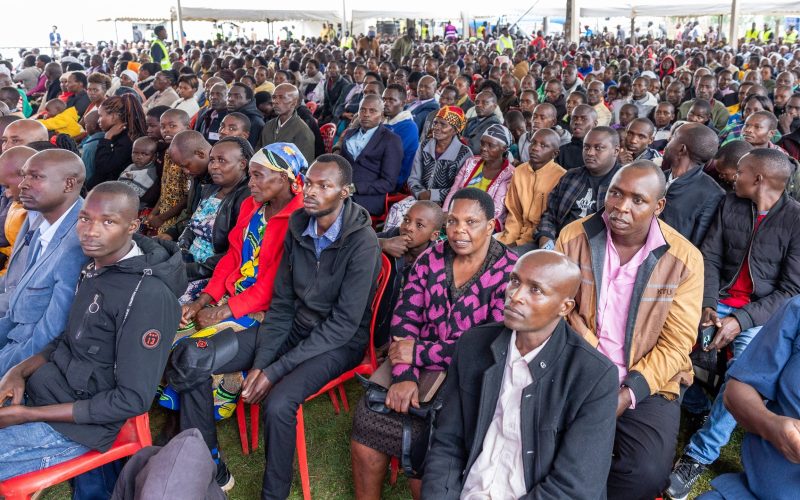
(47, 230)
(498, 473)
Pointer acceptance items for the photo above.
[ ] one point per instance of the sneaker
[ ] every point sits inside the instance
(685, 473)
(224, 477)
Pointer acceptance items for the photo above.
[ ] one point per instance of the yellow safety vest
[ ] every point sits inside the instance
(752, 34)
(790, 37)
(765, 35)
(347, 43)
(503, 43)
(165, 62)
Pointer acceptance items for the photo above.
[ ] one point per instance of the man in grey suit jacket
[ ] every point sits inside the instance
(47, 254)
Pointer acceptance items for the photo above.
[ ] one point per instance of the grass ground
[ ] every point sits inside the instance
(327, 438)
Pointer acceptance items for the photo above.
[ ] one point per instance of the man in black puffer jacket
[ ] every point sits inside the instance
(316, 328)
(106, 366)
(752, 268)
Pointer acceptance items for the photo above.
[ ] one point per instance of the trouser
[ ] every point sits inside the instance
(34, 446)
(706, 444)
(521, 250)
(644, 447)
(279, 408)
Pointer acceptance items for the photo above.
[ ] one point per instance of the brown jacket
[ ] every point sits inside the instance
(665, 305)
(526, 201)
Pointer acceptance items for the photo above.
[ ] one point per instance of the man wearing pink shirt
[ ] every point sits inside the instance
(638, 303)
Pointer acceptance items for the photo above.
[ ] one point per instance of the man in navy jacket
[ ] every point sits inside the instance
(376, 154)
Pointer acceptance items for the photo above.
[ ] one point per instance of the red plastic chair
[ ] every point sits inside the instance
(391, 199)
(133, 436)
(367, 366)
(328, 132)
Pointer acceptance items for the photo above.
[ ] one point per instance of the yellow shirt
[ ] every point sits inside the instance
(15, 217)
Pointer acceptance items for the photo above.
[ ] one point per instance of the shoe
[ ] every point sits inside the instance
(224, 477)
(685, 473)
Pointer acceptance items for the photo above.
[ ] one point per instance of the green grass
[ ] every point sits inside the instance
(327, 438)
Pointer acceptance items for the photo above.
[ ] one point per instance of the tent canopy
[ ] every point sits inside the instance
(238, 15)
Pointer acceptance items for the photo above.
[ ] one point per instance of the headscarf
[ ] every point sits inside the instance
(454, 116)
(282, 157)
(131, 74)
(501, 133)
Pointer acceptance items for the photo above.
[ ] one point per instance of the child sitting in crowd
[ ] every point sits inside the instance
(141, 174)
(61, 119)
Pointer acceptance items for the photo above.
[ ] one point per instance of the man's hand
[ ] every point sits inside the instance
(785, 123)
(727, 331)
(709, 318)
(255, 387)
(12, 388)
(784, 435)
(625, 156)
(212, 315)
(396, 247)
(543, 241)
(424, 195)
(401, 351)
(401, 395)
(12, 415)
(623, 400)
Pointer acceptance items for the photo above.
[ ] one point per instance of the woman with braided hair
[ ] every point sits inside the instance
(123, 121)
(240, 289)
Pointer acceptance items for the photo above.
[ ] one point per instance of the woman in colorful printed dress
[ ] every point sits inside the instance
(453, 286)
(204, 241)
(491, 171)
(240, 289)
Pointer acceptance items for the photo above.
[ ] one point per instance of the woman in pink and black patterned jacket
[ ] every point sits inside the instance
(453, 286)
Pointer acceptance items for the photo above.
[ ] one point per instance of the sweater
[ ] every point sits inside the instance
(404, 126)
(664, 311)
(719, 113)
(526, 201)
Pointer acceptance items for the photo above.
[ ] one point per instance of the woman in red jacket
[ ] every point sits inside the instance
(240, 290)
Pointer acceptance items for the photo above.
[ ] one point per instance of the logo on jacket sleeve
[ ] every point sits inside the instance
(151, 339)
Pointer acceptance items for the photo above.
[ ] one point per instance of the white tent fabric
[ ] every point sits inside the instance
(660, 8)
(239, 15)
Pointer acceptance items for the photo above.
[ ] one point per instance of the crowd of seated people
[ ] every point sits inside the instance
(573, 231)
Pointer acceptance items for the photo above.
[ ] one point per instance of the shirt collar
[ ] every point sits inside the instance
(655, 239)
(514, 354)
(331, 234)
(47, 230)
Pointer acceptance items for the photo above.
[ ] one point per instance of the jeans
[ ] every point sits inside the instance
(706, 443)
(34, 446)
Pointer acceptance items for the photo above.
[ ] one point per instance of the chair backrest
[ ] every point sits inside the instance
(328, 131)
(383, 280)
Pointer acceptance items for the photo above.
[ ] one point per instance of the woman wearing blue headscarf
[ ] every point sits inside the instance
(240, 289)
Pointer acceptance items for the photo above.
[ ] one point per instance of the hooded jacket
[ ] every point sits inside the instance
(227, 215)
(664, 72)
(256, 121)
(325, 302)
(111, 356)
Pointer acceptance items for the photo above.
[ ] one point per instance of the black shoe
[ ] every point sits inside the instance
(224, 477)
(685, 473)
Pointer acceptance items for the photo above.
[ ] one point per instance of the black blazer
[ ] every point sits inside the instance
(376, 169)
(568, 415)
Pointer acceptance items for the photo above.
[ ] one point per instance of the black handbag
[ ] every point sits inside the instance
(413, 451)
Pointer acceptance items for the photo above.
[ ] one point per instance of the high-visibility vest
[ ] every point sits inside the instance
(165, 62)
(751, 35)
(503, 43)
(790, 38)
(347, 43)
(765, 35)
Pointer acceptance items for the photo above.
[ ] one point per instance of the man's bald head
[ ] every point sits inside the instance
(188, 141)
(373, 99)
(15, 157)
(701, 142)
(23, 132)
(63, 162)
(773, 165)
(650, 174)
(540, 292)
(549, 136)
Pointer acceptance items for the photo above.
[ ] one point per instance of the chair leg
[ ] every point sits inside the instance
(302, 458)
(334, 401)
(394, 467)
(254, 421)
(343, 396)
(240, 420)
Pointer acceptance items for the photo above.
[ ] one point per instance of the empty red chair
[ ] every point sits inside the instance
(133, 436)
(328, 132)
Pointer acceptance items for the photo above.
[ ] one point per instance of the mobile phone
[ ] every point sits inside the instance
(707, 335)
